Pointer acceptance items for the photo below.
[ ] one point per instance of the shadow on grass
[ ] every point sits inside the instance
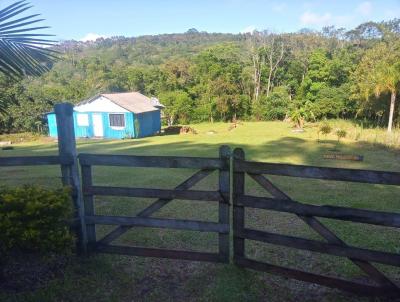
(118, 278)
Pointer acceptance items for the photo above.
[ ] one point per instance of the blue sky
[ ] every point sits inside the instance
(82, 19)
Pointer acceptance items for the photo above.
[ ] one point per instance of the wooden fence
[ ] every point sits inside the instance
(86, 220)
(143, 219)
(334, 245)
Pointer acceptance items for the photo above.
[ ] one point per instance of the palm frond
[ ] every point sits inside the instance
(22, 51)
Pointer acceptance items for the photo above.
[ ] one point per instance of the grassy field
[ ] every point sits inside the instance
(120, 278)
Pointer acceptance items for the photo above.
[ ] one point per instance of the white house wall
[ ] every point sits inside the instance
(101, 104)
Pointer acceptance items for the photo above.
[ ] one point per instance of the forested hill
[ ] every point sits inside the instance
(203, 76)
(148, 50)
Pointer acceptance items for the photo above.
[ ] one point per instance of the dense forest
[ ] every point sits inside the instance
(199, 76)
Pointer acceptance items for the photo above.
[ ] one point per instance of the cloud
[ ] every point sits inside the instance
(91, 37)
(308, 18)
(279, 7)
(319, 20)
(365, 8)
(248, 29)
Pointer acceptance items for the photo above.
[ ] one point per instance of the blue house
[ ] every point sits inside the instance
(114, 115)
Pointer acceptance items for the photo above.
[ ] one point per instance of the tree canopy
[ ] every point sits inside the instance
(201, 76)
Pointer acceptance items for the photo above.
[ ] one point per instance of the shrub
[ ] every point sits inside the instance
(324, 128)
(340, 133)
(33, 219)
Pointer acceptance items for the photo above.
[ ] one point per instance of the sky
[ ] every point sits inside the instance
(89, 19)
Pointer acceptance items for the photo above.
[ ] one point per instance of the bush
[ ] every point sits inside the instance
(340, 133)
(33, 219)
(274, 107)
(324, 128)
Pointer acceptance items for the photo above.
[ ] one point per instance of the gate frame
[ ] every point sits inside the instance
(206, 166)
(85, 220)
(334, 245)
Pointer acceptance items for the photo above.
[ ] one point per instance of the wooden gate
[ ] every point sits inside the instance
(333, 245)
(143, 219)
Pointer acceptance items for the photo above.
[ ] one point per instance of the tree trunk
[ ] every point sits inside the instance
(391, 112)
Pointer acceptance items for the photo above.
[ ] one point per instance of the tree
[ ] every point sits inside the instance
(379, 72)
(178, 106)
(21, 51)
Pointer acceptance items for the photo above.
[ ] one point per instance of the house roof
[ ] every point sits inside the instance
(156, 103)
(131, 101)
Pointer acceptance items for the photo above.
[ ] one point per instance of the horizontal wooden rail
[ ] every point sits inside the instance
(340, 174)
(322, 247)
(152, 161)
(178, 224)
(154, 252)
(153, 193)
(340, 213)
(357, 288)
(34, 160)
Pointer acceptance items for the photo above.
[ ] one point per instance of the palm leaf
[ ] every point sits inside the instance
(22, 50)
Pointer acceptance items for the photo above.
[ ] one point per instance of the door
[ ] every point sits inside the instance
(98, 125)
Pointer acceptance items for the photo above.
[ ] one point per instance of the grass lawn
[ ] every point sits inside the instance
(123, 278)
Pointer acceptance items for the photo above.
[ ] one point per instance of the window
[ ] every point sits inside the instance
(117, 120)
(82, 119)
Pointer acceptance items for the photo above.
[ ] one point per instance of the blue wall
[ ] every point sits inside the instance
(149, 123)
(146, 124)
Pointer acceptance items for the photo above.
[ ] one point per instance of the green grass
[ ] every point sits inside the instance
(120, 278)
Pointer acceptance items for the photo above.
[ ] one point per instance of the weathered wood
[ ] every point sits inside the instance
(322, 247)
(178, 224)
(340, 174)
(159, 253)
(340, 213)
(70, 171)
(151, 161)
(158, 204)
(223, 207)
(238, 210)
(154, 193)
(88, 204)
(34, 160)
(325, 233)
(344, 157)
(353, 287)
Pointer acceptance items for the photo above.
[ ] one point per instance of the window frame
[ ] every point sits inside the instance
(117, 127)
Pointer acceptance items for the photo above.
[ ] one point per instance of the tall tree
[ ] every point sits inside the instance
(379, 72)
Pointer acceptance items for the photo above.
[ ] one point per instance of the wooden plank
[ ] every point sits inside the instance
(340, 174)
(88, 204)
(322, 247)
(325, 233)
(344, 157)
(223, 207)
(32, 161)
(340, 213)
(353, 287)
(159, 253)
(154, 193)
(151, 161)
(158, 204)
(238, 210)
(70, 171)
(177, 224)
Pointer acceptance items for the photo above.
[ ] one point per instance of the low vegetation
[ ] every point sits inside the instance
(34, 219)
(124, 278)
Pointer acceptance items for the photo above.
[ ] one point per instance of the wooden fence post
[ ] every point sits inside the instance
(88, 205)
(70, 171)
(238, 211)
(223, 211)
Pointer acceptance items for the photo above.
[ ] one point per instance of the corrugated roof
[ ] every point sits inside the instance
(131, 101)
